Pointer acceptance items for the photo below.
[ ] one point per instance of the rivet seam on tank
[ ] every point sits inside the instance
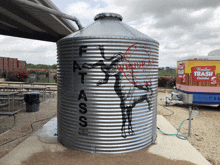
(130, 38)
(127, 29)
(88, 26)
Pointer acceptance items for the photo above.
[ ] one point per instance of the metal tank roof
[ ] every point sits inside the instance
(110, 25)
(214, 53)
(203, 58)
(22, 20)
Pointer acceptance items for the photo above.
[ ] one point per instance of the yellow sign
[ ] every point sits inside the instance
(198, 73)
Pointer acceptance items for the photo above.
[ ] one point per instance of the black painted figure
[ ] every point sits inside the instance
(124, 92)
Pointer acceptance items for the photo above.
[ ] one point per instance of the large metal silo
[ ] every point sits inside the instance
(107, 87)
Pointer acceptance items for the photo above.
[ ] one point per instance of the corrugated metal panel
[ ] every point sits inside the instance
(21, 64)
(1, 64)
(21, 20)
(5, 63)
(15, 65)
(107, 88)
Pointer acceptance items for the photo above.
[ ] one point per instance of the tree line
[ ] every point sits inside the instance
(42, 66)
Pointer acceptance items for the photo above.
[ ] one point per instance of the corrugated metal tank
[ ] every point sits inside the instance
(107, 87)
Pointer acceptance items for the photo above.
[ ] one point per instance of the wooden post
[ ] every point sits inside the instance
(187, 79)
(6, 75)
(36, 76)
(1, 71)
(218, 75)
(42, 75)
(49, 76)
(190, 79)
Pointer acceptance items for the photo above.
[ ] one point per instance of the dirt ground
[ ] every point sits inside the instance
(205, 128)
(23, 127)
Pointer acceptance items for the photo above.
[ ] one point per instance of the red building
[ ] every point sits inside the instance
(11, 64)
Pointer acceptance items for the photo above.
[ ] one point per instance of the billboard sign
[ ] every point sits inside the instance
(203, 73)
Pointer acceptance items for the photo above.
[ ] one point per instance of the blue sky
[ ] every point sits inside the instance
(183, 28)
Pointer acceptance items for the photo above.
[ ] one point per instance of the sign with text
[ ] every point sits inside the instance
(203, 73)
(181, 71)
(206, 98)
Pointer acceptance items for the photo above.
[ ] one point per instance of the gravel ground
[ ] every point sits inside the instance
(205, 129)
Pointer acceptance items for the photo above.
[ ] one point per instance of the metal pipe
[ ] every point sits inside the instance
(52, 11)
(189, 130)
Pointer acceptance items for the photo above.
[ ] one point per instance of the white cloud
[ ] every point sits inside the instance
(78, 8)
(186, 28)
(86, 11)
(214, 22)
(31, 51)
(182, 28)
(136, 9)
(198, 13)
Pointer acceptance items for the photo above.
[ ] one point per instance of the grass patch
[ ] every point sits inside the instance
(171, 72)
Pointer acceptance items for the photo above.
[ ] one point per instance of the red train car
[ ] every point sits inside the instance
(21, 64)
(1, 63)
(11, 63)
(15, 65)
(5, 62)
